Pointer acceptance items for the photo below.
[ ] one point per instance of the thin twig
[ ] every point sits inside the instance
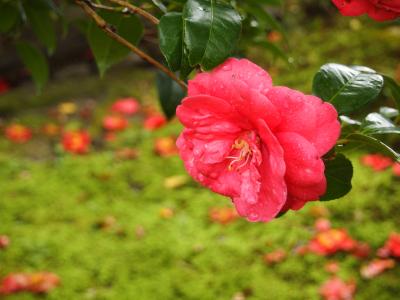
(136, 10)
(105, 7)
(110, 31)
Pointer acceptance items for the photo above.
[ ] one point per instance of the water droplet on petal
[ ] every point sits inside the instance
(253, 217)
(227, 67)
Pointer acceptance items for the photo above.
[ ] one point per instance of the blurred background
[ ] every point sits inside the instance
(96, 204)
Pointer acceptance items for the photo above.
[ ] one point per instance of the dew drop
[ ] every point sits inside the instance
(253, 217)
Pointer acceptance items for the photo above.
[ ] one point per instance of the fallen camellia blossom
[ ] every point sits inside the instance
(18, 133)
(125, 106)
(331, 241)
(274, 257)
(41, 282)
(115, 123)
(165, 146)
(77, 142)
(337, 289)
(332, 267)
(127, 153)
(322, 224)
(377, 162)
(4, 86)
(361, 250)
(166, 213)
(154, 122)
(379, 10)
(396, 169)
(376, 267)
(4, 241)
(391, 247)
(258, 144)
(51, 129)
(223, 215)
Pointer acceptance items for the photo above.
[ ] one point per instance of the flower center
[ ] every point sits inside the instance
(243, 149)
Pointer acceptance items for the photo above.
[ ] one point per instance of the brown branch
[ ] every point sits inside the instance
(136, 10)
(105, 7)
(110, 31)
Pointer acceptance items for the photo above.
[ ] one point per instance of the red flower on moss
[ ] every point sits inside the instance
(223, 215)
(391, 247)
(260, 145)
(126, 106)
(337, 289)
(331, 241)
(18, 133)
(396, 169)
(275, 257)
(41, 282)
(4, 241)
(379, 10)
(377, 162)
(154, 122)
(376, 267)
(4, 86)
(77, 142)
(115, 123)
(165, 146)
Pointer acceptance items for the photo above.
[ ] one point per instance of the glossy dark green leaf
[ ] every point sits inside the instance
(211, 32)
(106, 51)
(347, 88)
(170, 30)
(42, 24)
(394, 88)
(375, 123)
(35, 62)
(9, 16)
(170, 94)
(338, 173)
(374, 143)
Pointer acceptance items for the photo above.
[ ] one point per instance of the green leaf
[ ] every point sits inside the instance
(388, 112)
(170, 94)
(211, 32)
(9, 16)
(170, 31)
(394, 87)
(375, 123)
(373, 143)
(36, 63)
(106, 51)
(347, 88)
(338, 173)
(42, 25)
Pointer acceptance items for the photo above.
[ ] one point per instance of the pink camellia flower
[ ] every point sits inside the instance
(258, 144)
(126, 106)
(377, 162)
(337, 289)
(4, 241)
(379, 10)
